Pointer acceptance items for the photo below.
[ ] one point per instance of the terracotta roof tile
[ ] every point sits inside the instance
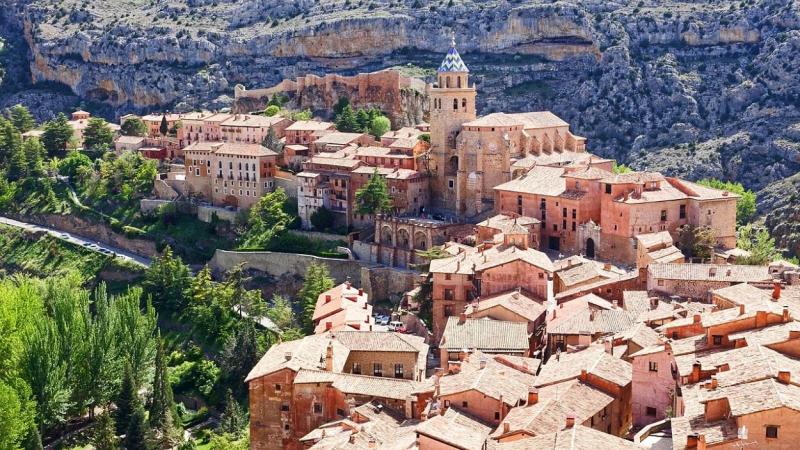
(709, 272)
(485, 335)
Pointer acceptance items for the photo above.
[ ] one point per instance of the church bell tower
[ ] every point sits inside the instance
(452, 104)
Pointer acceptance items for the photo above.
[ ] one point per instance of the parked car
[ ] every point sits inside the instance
(395, 325)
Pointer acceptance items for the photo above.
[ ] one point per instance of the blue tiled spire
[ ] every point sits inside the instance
(452, 61)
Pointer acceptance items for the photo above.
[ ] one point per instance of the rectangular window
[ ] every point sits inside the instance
(284, 406)
(683, 212)
(717, 340)
(377, 370)
(650, 411)
(448, 276)
(608, 188)
(663, 215)
(356, 368)
(574, 213)
(661, 282)
(573, 226)
(555, 227)
(450, 184)
(464, 404)
(317, 408)
(398, 371)
(772, 432)
(564, 212)
(448, 310)
(519, 200)
(277, 388)
(448, 294)
(497, 415)
(653, 366)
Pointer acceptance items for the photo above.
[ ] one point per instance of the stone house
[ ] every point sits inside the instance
(153, 122)
(486, 335)
(481, 272)
(304, 132)
(251, 128)
(452, 430)
(369, 426)
(299, 385)
(697, 280)
(337, 140)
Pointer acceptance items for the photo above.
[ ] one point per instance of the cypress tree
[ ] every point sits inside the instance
(164, 127)
(163, 406)
(105, 437)
(34, 440)
(137, 434)
(127, 400)
(232, 419)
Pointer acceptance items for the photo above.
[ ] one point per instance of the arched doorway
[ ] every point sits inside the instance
(420, 241)
(403, 239)
(386, 236)
(590, 248)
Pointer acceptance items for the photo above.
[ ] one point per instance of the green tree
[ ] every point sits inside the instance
(100, 363)
(134, 127)
(232, 420)
(162, 405)
(318, 280)
(105, 436)
(272, 142)
(379, 126)
(240, 355)
(759, 243)
(301, 115)
(164, 127)
(167, 279)
(70, 165)
(425, 137)
(16, 412)
(17, 165)
(34, 440)
(21, 117)
(340, 105)
(137, 436)
(322, 219)
(210, 308)
(620, 168)
(374, 196)
(57, 134)
(34, 154)
(45, 371)
(137, 331)
(97, 135)
(696, 242)
(127, 400)
(266, 219)
(280, 312)
(347, 121)
(363, 120)
(745, 205)
(272, 110)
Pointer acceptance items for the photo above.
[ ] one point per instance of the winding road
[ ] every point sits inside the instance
(90, 244)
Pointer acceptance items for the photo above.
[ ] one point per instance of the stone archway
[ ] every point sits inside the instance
(590, 248)
(420, 241)
(452, 164)
(403, 239)
(386, 236)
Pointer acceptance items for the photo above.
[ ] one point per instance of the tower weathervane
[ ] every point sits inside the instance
(452, 38)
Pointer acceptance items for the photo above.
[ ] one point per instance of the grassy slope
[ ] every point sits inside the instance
(44, 255)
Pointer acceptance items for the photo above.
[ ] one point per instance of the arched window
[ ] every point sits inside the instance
(455, 103)
(447, 81)
(458, 81)
(464, 103)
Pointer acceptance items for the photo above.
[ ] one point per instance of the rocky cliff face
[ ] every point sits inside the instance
(694, 88)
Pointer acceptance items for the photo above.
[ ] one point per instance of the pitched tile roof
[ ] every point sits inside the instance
(540, 180)
(516, 302)
(240, 149)
(594, 322)
(703, 272)
(594, 360)
(309, 125)
(539, 119)
(304, 353)
(503, 223)
(338, 138)
(452, 62)
(470, 260)
(486, 335)
(578, 437)
(641, 335)
(456, 429)
(496, 380)
(381, 387)
(555, 403)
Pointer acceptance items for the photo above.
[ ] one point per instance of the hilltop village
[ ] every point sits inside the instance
(563, 314)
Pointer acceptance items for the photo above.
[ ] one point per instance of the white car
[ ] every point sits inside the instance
(395, 325)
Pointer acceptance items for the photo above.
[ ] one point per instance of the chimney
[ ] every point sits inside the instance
(584, 375)
(352, 438)
(570, 421)
(506, 427)
(462, 317)
(785, 313)
(784, 376)
(714, 383)
(692, 440)
(288, 355)
(742, 310)
(653, 302)
(329, 357)
(794, 334)
(483, 362)
(533, 396)
(372, 443)
(696, 366)
(696, 318)
(327, 298)
(607, 267)
(361, 292)
(348, 283)
(328, 326)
